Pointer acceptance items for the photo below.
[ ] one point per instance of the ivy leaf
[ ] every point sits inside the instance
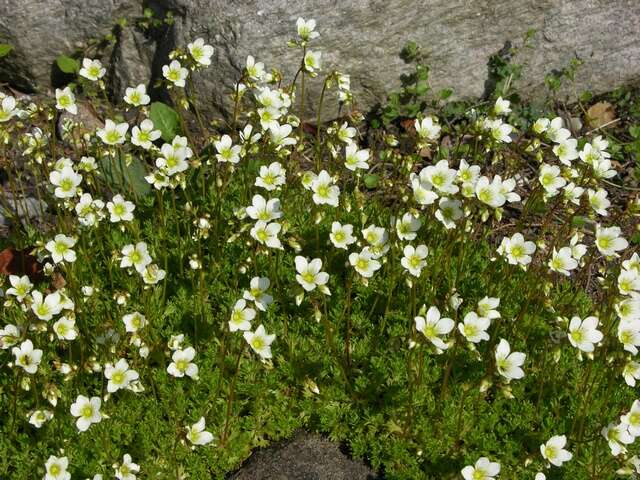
(67, 64)
(5, 49)
(165, 119)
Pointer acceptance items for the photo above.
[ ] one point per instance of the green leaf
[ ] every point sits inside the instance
(126, 178)
(5, 49)
(67, 64)
(634, 131)
(371, 180)
(165, 119)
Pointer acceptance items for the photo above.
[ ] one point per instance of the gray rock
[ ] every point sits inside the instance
(305, 457)
(360, 37)
(41, 30)
(363, 38)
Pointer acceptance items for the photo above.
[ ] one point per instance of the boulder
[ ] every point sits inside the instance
(305, 457)
(41, 30)
(360, 37)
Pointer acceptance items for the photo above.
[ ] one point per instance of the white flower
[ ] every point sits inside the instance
(555, 131)
(583, 334)
(271, 177)
(61, 248)
(550, 179)
(119, 375)
(554, 452)
(260, 342)
(45, 308)
(66, 100)
(502, 106)
(517, 250)
(153, 274)
(468, 173)
(482, 470)
(241, 316)
(629, 335)
(407, 227)
(632, 419)
(364, 263)
(113, 133)
(309, 275)
(56, 468)
(422, 190)
(629, 309)
(487, 308)
(306, 29)
(39, 417)
(65, 329)
(137, 96)
(200, 51)
(500, 131)
(617, 436)
(562, 261)
(256, 293)
(609, 242)
(375, 235)
(127, 470)
(474, 328)
(144, 135)
(9, 336)
(182, 364)
(342, 235)
(449, 212)
(255, 71)
(629, 282)
(631, 373)
(427, 128)
(92, 69)
(197, 435)
(66, 182)
(356, 159)
(441, 177)
(508, 363)
(87, 410)
(20, 287)
(227, 152)
(280, 134)
(136, 256)
(27, 357)
(414, 259)
(489, 193)
(89, 210)
(134, 322)
(267, 233)
(433, 327)
(598, 201)
(324, 190)
(8, 109)
(312, 61)
(566, 151)
(573, 193)
(121, 210)
(173, 159)
(346, 133)
(175, 73)
(264, 210)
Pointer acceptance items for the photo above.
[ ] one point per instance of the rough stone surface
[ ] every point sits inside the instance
(305, 457)
(360, 37)
(41, 30)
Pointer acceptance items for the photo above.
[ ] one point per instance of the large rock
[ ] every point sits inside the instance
(359, 37)
(41, 30)
(305, 457)
(364, 37)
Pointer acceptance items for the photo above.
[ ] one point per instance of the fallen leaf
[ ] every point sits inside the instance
(20, 262)
(600, 114)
